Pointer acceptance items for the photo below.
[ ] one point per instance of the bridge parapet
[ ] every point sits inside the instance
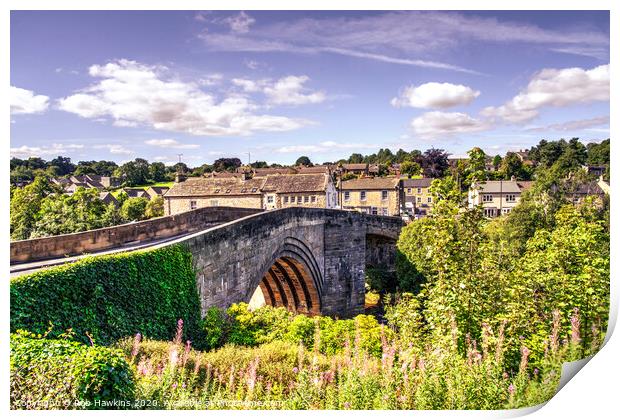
(117, 236)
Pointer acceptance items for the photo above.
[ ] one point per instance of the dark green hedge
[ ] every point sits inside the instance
(110, 297)
(62, 374)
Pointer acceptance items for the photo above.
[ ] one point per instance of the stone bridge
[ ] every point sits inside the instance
(305, 259)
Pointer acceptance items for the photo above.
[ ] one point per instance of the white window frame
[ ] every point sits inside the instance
(347, 196)
(487, 198)
(511, 198)
(362, 195)
(384, 195)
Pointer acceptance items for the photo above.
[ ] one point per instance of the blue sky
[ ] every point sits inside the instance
(123, 84)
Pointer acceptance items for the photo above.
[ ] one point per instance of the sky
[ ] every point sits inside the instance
(275, 85)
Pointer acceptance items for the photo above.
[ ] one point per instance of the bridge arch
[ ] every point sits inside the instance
(290, 278)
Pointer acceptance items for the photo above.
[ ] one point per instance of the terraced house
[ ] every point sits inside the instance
(268, 192)
(416, 197)
(371, 195)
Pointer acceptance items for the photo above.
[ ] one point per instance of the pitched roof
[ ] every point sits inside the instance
(370, 184)
(588, 188)
(273, 171)
(490, 187)
(159, 190)
(417, 182)
(200, 186)
(295, 183)
(313, 169)
(134, 192)
(354, 166)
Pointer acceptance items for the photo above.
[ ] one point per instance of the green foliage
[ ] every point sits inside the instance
(214, 325)
(134, 208)
(303, 160)
(410, 168)
(57, 374)
(26, 204)
(476, 166)
(381, 280)
(110, 296)
(154, 207)
(135, 172)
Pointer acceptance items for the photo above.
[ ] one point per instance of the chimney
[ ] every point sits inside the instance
(179, 177)
(512, 178)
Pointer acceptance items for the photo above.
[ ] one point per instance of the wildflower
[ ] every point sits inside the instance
(136, 346)
(295, 370)
(535, 371)
(174, 385)
(186, 353)
(575, 325)
(347, 405)
(511, 389)
(179, 334)
(525, 352)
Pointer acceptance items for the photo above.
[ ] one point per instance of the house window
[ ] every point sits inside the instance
(487, 198)
(306, 199)
(362, 195)
(419, 190)
(384, 211)
(429, 200)
(253, 189)
(489, 212)
(313, 199)
(270, 199)
(408, 190)
(214, 203)
(347, 196)
(299, 199)
(373, 210)
(506, 210)
(193, 205)
(286, 199)
(384, 195)
(511, 198)
(419, 199)
(217, 190)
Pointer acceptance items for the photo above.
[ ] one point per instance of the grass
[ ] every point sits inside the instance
(167, 184)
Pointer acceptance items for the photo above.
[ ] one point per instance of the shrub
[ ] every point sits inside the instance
(64, 374)
(110, 296)
(251, 327)
(214, 327)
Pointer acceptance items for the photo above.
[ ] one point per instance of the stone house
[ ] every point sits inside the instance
(300, 190)
(268, 192)
(417, 200)
(371, 195)
(153, 192)
(354, 168)
(136, 192)
(108, 198)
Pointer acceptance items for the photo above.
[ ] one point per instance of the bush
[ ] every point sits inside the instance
(64, 374)
(110, 297)
(214, 327)
(251, 327)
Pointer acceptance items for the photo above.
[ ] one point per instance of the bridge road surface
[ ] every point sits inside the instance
(31, 267)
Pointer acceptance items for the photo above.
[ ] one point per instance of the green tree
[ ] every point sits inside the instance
(303, 161)
(134, 208)
(512, 165)
(476, 166)
(135, 172)
(157, 171)
(155, 207)
(25, 206)
(598, 153)
(410, 168)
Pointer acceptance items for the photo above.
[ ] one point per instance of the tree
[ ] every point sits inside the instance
(155, 207)
(135, 172)
(512, 165)
(410, 168)
(303, 161)
(497, 161)
(356, 158)
(62, 213)
(157, 171)
(259, 164)
(134, 208)
(476, 166)
(63, 164)
(226, 164)
(434, 162)
(26, 204)
(598, 153)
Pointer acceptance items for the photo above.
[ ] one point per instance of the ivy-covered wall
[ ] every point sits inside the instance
(110, 297)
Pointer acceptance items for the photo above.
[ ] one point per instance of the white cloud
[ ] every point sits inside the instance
(380, 36)
(55, 149)
(326, 146)
(436, 123)
(435, 95)
(170, 143)
(115, 149)
(131, 93)
(26, 102)
(557, 88)
(290, 90)
(240, 23)
(574, 125)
